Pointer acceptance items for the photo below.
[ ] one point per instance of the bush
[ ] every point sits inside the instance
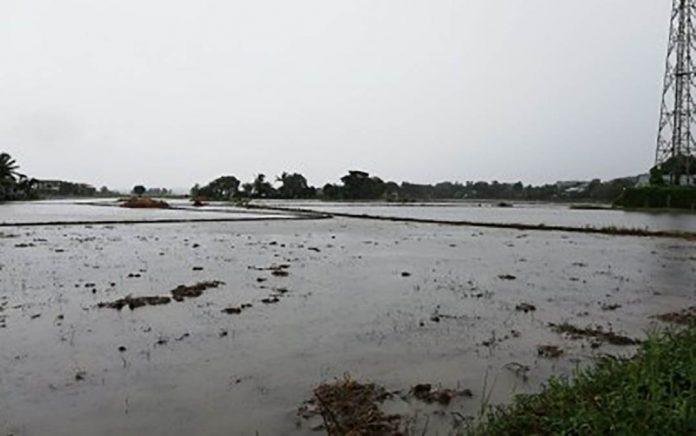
(676, 197)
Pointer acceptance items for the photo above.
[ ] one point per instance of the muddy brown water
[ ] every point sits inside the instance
(68, 367)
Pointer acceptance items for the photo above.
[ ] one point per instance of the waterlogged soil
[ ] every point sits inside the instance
(418, 309)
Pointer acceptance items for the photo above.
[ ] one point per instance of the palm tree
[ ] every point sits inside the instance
(26, 186)
(8, 169)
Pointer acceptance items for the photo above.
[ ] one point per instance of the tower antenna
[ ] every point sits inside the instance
(675, 141)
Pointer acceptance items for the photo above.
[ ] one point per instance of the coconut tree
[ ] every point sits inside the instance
(26, 187)
(8, 168)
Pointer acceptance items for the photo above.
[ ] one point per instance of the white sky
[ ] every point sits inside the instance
(172, 92)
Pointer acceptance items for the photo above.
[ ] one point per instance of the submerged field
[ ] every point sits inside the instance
(301, 302)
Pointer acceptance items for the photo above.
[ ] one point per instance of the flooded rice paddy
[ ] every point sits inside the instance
(520, 213)
(258, 313)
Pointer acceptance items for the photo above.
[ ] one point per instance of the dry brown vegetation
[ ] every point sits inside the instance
(683, 317)
(352, 408)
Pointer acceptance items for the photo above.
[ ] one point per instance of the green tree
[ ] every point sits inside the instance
(657, 176)
(9, 177)
(139, 190)
(222, 188)
(358, 185)
(247, 190)
(8, 169)
(294, 186)
(26, 187)
(262, 188)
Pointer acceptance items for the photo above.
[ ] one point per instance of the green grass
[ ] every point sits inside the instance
(652, 393)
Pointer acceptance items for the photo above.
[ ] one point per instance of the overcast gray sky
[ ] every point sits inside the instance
(172, 92)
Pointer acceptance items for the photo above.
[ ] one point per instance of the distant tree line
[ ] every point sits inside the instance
(356, 185)
(360, 185)
(292, 186)
(17, 186)
(14, 185)
(140, 190)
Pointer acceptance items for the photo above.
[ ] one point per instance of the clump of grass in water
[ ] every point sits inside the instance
(652, 393)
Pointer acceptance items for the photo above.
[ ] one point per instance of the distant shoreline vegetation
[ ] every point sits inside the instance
(360, 185)
(355, 185)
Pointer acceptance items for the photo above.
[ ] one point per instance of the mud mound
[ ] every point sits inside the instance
(145, 203)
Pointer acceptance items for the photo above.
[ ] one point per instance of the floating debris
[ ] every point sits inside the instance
(270, 268)
(194, 291)
(426, 393)
(682, 317)
(351, 408)
(518, 369)
(232, 310)
(525, 307)
(549, 351)
(507, 277)
(270, 300)
(597, 333)
(135, 302)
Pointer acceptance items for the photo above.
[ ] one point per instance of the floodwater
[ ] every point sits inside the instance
(522, 213)
(106, 210)
(68, 367)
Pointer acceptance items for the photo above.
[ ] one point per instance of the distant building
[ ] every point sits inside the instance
(572, 186)
(54, 188)
(643, 181)
(684, 180)
(48, 186)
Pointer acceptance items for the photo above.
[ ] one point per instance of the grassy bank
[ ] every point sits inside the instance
(653, 393)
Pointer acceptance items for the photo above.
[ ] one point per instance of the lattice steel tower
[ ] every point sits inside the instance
(675, 142)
